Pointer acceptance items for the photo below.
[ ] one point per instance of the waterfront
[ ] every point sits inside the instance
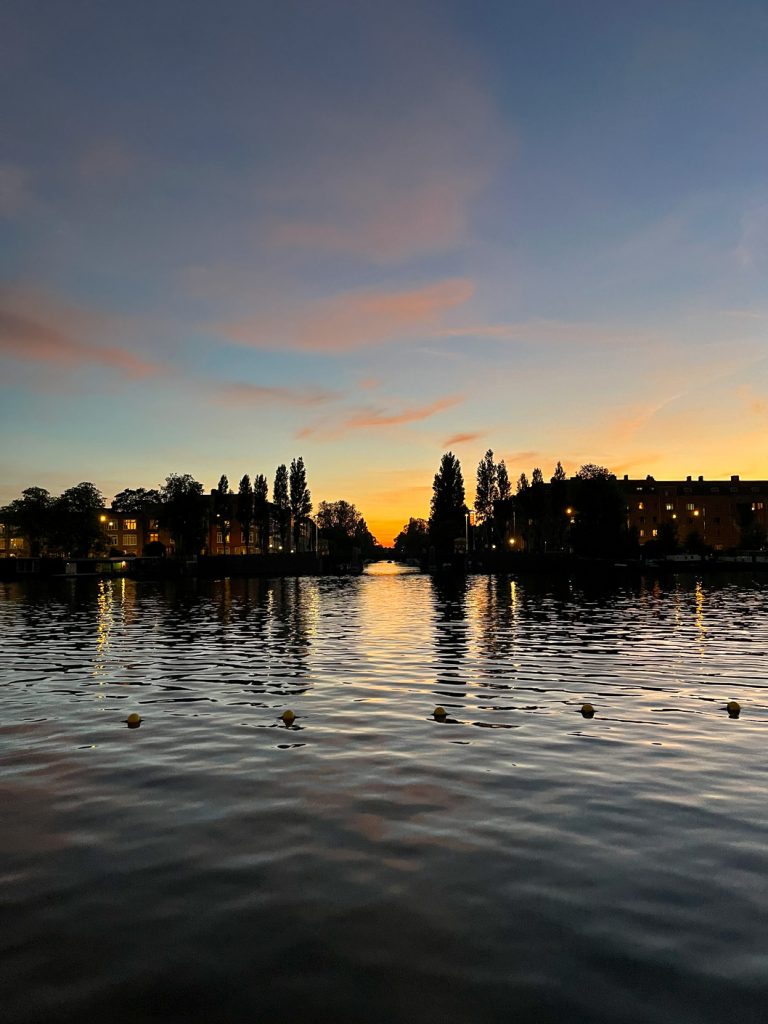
(371, 864)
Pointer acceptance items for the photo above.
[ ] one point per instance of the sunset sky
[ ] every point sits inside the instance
(364, 233)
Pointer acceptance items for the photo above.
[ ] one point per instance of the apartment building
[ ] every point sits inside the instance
(719, 511)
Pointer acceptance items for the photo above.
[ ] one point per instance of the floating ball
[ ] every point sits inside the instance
(440, 712)
(133, 720)
(587, 710)
(733, 708)
(288, 716)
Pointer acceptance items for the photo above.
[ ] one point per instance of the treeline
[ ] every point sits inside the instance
(74, 522)
(586, 514)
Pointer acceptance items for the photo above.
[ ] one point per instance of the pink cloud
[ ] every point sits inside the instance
(355, 319)
(455, 439)
(35, 328)
(371, 417)
(253, 393)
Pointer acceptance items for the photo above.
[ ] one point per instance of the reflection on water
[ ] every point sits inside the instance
(368, 863)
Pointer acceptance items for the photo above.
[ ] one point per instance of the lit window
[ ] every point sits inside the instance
(642, 533)
(17, 543)
(129, 540)
(640, 506)
(758, 506)
(669, 507)
(153, 538)
(219, 538)
(654, 533)
(690, 507)
(111, 525)
(129, 524)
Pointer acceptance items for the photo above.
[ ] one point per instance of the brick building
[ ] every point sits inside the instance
(719, 511)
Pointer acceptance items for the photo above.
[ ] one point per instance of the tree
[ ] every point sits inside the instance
(537, 477)
(261, 510)
(487, 489)
(502, 481)
(559, 477)
(136, 501)
(300, 497)
(281, 502)
(222, 509)
(183, 512)
(447, 508)
(244, 509)
(600, 513)
(31, 517)
(522, 483)
(77, 521)
(413, 540)
(340, 523)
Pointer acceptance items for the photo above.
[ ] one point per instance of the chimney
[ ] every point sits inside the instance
(626, 476)
(688, 479)
(735, 479)
(701, 479)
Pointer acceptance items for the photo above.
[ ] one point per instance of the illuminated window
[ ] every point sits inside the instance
(642, 533)
(758, 506)
(690, 506)
(654, 533)
(640, 506)
(111, 525)
(153, 538)
(17, 543)
(129, 524)
(129, 540)
(219, 538)
(669, 507)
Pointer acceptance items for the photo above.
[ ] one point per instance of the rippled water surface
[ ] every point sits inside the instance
(515, 862)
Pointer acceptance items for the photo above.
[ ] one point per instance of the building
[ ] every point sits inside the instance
(724, 513)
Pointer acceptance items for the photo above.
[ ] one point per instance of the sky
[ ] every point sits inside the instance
(366, 233)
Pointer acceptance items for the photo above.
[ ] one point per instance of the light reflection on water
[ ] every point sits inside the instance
(515, 862)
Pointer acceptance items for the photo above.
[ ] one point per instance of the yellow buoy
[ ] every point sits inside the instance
(440, 712)
(587, 710)
(288, 716)
(733, 708)
(133, 720)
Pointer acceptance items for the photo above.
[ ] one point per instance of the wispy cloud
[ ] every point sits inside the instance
(36, 328)
(355, 320)
(755, 404)
(456, 439)
(553, 332)
(377, 417)
(253, 394)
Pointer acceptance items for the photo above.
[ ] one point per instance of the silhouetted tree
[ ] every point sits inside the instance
(522, 483)
(558, 503)
(136, 501)
(261, 510)
(244, 510)
(487, 489)
(183, 512)
(600, 512)
(300, 497)
(31, 517)
(413, 540)
(340, 523)
(281, 502)
(447, 508)
(502, 481)
(222, 510)
(77, 525)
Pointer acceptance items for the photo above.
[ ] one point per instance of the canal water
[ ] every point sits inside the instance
(513, 862)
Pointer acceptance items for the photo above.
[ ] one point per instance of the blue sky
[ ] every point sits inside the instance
(238, 232)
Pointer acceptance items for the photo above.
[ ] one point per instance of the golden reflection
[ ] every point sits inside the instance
(105, 619)
(699, 615)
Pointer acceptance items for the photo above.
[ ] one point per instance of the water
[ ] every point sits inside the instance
(513, 863)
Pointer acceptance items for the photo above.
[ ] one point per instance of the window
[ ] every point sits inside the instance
(669, 507)
(153, 538)
(640, 506)
(690, 506)
(129, 540)
(252, 538)
(717, 519)
(17, 543)
(113, 539)
(2, 529)
(153, 524)
(219, 538)
(129, 524)
(642, 533)
(758, 506)
(111, 525)
(641, 519)
(654, 533)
